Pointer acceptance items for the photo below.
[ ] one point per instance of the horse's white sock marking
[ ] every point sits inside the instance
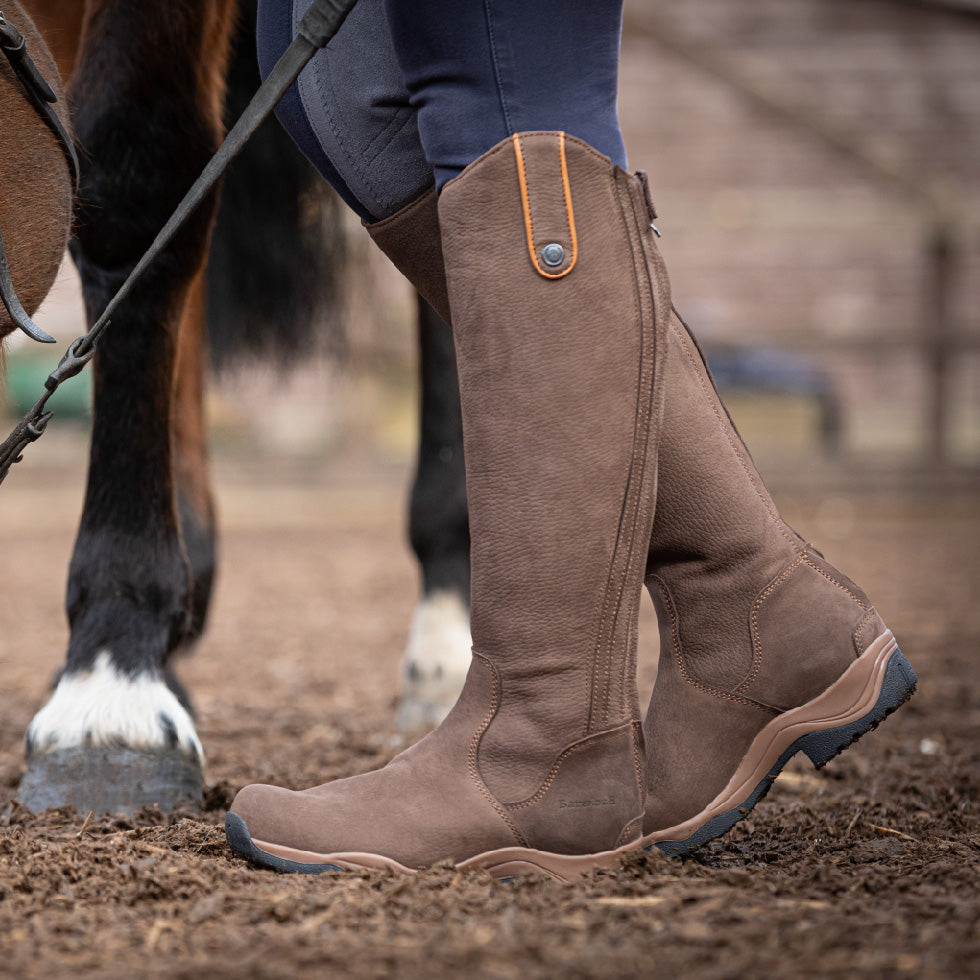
(435, 661)
(102, 706)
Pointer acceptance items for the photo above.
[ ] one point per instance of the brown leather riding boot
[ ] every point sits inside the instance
(562, 306)
(766, 649)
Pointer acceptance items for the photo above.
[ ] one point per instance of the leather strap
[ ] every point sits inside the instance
(13, 304)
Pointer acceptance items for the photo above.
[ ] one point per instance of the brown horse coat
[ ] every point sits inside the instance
(35, 182)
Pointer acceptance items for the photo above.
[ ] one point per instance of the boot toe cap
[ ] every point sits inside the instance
(270, 813)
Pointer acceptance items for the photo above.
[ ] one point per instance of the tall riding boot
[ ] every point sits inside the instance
(562, 305)
(766, 649)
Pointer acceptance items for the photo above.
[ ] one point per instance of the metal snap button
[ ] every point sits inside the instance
(553, 254)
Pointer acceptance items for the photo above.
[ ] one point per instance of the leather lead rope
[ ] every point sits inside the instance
(320, 23)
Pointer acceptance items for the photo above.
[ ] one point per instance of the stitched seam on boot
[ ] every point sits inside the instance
(779, 580)
(754, 620)
(733, 441)
(626, 836)
(602, 655)
(629, 701)
(679, 656)
(472, 765)
(830, 578)
(642, 424)
(553, 774)
(639, 760)
(866, 620)
(600, 608)
(630, 611)
(604, 651)
(592, 676)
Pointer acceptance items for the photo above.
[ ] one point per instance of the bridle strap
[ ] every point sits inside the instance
(13, 44)
(319, 24)
(13, 304)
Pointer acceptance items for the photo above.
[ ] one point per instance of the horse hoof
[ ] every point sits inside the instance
(111, 779)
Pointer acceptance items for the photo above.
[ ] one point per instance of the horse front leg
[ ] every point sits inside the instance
(147, 90)
(437, 656)
(195, 502)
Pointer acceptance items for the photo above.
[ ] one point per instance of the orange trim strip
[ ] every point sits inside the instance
(526, 203)
(522, 179)
(568, 204)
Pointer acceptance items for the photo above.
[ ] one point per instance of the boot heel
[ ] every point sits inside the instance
(897, 687)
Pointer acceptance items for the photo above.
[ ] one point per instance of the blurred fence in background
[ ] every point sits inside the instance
(816, 164)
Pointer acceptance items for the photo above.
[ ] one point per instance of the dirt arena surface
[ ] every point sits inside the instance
(867, 868)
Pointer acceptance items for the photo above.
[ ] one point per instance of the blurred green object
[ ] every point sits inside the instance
(26, 372)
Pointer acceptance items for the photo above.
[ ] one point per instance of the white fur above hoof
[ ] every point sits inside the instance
(109, 742)
(435, 662)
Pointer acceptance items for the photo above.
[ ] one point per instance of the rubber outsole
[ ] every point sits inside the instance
(502, 863)
(240, 841)
(898, 685)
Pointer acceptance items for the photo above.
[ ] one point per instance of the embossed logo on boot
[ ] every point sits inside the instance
(607, 801)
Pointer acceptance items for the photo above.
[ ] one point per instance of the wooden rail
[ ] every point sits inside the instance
(943, 218)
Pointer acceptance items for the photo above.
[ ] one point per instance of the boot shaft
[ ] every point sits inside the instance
(717, 539)
(560, 302)
(729, 577)
(753, 621)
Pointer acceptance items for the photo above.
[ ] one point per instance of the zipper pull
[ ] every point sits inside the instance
(648, 198)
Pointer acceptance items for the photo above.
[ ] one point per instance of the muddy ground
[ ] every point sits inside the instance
(868, 868)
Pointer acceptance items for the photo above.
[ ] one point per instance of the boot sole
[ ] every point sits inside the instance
(878, 682)
(505, 863)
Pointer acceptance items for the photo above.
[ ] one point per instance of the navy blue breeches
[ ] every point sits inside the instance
(412, 91)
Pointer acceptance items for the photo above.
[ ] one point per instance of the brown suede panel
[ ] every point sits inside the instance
(35, 182)
(717, 541)
(694, 741)
(556, 379)
(802, 631)
(425, 805)
(584, 796)
(868, 629)
(410, 238)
